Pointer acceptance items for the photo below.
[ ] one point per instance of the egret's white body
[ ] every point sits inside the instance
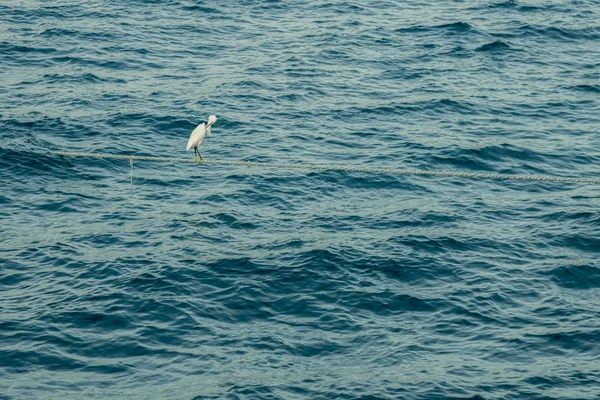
(197, 136)
(199, 133)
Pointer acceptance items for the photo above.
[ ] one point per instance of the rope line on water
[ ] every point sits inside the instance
(475, 175)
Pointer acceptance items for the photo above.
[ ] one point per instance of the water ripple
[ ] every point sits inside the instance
(196, 281)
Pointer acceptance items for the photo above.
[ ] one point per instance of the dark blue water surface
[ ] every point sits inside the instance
(207, 281)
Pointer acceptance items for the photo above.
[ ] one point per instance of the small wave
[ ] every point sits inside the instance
(581, 340)
(22, 360)
(504, 4)
(503, 152)
(584, 276)
(458, 27)
(516, 6)
(116, 65)
(587, 88)
(441, 106)
(582, 242)
(591, 33)
(388, 303)
(512, 4)
(70, 33)
(51, 32)
(79, 79)
(86, 319)
(30, 163)
(459, 52)
(201, 9)
(496, 46)
(8, 48)
(339, 7)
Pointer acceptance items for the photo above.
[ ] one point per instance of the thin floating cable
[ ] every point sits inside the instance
(131, 165)
(455, 174)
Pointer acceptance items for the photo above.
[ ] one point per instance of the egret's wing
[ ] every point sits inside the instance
(190, 142)
(197, 136)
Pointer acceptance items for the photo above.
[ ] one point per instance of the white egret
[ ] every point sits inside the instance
(198, 134)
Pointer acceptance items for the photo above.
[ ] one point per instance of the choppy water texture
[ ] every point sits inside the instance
(242, 283)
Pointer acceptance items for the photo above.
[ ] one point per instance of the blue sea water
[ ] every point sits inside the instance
(204, 281)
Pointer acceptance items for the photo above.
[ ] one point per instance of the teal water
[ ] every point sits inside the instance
(197, 282)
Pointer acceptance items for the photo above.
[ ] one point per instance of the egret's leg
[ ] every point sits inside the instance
(195, 154)
(200, 155)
